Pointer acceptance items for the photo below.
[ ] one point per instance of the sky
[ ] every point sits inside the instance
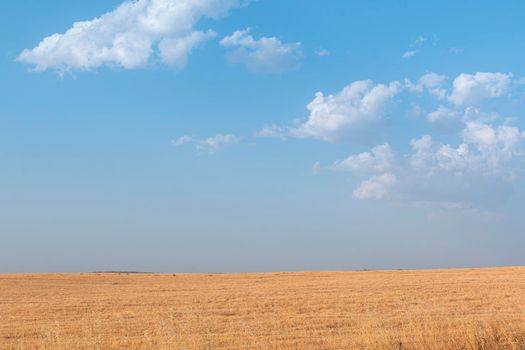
(235, 135)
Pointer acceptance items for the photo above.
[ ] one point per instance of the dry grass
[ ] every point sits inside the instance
(441, 309)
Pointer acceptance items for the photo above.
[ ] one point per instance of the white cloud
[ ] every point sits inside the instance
(209, 145)
(322, 52)
(182, 140)
(474, 114)
(175, 52)
(469, 89)
(378, 160)
(430, 82)
(496, 145)
(443, 114)
(264, 55)
(485, 150)
(479, 172)
(409, 54)
(130, 36)
(447, 116)
(213, 144)
(415, 47)
(476, 174)
(429, 157)
(376, 187)
(478, 169)
(274, 131)
(351, 114)
(334, 117)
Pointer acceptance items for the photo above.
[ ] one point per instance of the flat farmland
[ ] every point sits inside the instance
(420, 309)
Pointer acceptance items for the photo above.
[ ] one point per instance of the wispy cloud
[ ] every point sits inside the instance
(415, 47)
(409, 54)
(420, 40)
(210, 145)
(182, 140)
(322, 52)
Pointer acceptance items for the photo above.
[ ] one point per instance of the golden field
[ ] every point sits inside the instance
(427, 309)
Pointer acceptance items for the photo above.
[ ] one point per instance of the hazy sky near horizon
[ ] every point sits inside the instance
(230, 135)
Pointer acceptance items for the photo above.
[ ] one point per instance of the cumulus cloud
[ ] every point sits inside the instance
(430, 157)
(352, 112)
(477, 172)
(469, 89)
(443, 114)
(485, 149)
(495, 145)
(431, 82)
(175, 51)
(460, 102)
(342, 116)
(264, 55)
(453, 120)
(130, 37)
(376, 187)
(210, 145)
(478, 168)
(379, 159)
(480, 171)
(335, 117)
(466, 90)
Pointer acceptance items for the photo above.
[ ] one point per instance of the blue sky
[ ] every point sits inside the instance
(221, 135)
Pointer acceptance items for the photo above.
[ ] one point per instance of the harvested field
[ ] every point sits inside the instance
(426, 309)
